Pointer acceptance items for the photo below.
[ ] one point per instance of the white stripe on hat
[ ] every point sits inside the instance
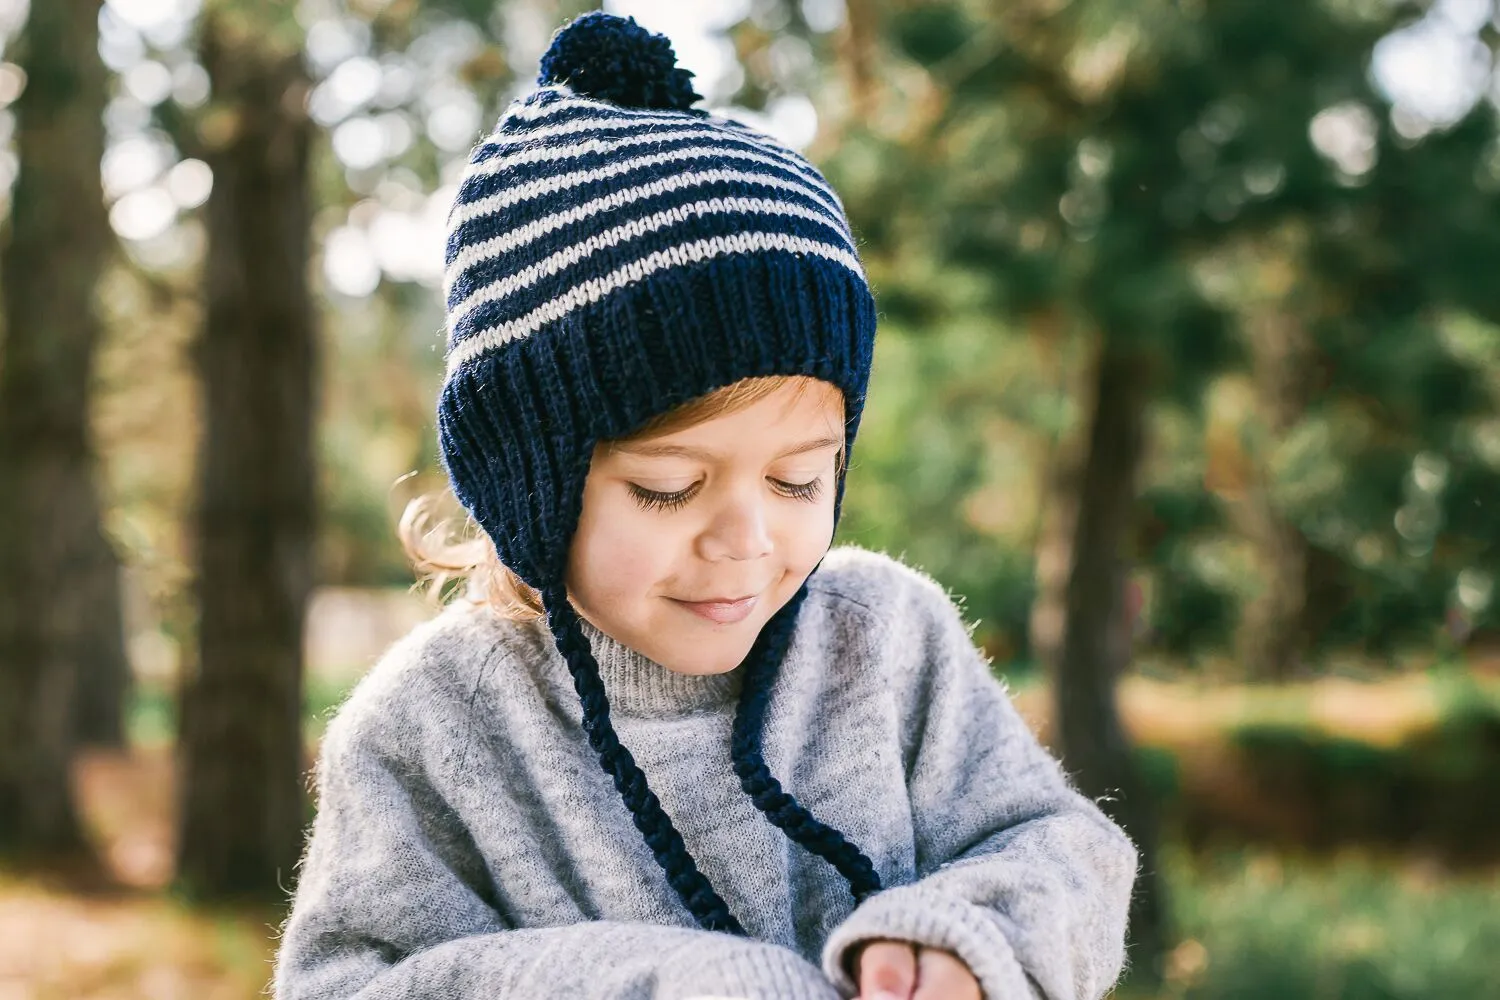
(635, 229)
(595, 289)
(533, 112)
(522, 235)
(465, 211)
(522, 138)
(531, 108)
(713, 125)
(574, 150)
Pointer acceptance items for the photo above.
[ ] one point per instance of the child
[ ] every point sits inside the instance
(659, 344)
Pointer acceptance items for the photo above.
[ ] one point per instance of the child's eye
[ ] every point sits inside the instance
(801, 491)
(653, 500)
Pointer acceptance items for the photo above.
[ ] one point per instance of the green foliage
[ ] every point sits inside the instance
(1191, 179)
(952, 405)
(1159, 770)
(929, 33)
(1192, 615)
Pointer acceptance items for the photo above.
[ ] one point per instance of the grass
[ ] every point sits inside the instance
(127, 946)
(1261, 926)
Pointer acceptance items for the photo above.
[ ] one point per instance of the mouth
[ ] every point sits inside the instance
(722, 610)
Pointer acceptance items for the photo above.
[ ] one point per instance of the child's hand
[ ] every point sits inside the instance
(900, 970)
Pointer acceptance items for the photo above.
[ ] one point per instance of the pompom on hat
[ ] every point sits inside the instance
(613, 253)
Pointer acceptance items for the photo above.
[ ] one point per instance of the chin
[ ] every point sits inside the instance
(703, 663)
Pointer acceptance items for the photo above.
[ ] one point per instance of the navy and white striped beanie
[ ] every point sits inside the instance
(613, 253)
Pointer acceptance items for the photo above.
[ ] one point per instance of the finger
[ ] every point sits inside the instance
(887, 970)
(942, 975)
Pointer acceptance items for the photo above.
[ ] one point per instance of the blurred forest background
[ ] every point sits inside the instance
(1186, 384)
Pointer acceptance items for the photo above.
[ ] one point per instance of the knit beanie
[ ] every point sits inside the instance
(613, 253)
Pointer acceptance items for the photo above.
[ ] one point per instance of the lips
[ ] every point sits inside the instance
(723, 611)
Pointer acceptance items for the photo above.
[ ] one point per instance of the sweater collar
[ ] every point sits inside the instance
(638, 686)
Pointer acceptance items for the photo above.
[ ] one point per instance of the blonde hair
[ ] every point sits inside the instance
(448, 549)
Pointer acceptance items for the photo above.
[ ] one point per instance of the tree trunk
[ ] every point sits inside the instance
(104, 677)
(243, 805)
(1272, 633)
(1062, 468)
(1095, 646)
(1270, 637)
(59, 612)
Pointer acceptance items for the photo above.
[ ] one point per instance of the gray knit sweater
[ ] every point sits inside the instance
(468, 846)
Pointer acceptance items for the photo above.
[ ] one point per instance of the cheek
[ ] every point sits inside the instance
(816, 534)
(617, 556)
(803, 536)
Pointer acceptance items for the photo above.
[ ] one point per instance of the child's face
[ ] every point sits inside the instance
(739, 505)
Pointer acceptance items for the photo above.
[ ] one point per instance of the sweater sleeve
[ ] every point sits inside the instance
(1021, 876)
(391, 904)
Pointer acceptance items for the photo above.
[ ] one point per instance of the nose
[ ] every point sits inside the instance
(740, 529)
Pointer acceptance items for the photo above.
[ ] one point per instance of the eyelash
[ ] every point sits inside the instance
(652, 500)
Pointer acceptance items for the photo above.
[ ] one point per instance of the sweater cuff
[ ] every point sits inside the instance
(924, 916)
(743, 969)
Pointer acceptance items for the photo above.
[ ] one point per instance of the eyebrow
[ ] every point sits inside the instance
(648, 450)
